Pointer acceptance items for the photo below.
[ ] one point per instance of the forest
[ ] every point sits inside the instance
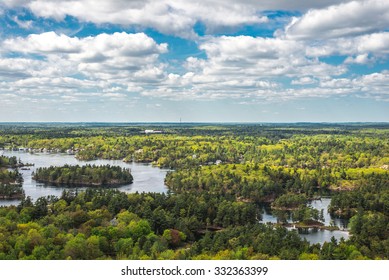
(10, 180)
(86, 175)
(221, 177)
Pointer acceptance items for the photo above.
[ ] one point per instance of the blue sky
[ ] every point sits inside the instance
(202, 61)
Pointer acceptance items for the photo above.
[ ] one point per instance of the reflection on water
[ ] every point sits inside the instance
(324, 203)
(146, 177)
(315, 235)
(312, 235)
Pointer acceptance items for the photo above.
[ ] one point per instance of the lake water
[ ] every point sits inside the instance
(315, 235)
(146, 177)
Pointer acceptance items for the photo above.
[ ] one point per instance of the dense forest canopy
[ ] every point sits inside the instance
(86, 175)
(221, 177)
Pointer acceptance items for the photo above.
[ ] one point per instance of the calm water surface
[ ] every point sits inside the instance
(146, 177)
(320, 235)
(315, 235)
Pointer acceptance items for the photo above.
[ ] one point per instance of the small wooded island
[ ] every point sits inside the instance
(9, 191)
(87, 175)
(10, 180)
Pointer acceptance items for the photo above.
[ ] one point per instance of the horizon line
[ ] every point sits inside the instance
(191, 122)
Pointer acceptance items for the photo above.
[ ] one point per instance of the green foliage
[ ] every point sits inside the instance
(8, 191)
(87, 175)
(9, 162)
(10, 180)
(223, 174)
(290, 201)
(90, 231)
(371, 194)
(10, 177)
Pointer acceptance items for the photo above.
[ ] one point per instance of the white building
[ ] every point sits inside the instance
(151, 131)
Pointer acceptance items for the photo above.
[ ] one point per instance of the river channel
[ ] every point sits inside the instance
(147, 179)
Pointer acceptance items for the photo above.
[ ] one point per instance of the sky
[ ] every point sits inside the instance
(198, 61)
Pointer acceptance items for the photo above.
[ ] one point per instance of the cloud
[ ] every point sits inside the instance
(105, 56)
(371, 85)
(246, 56)
(56, 65)
(284, 5)
(360, 49)
(304, 81)
(122, 44)
(15, 3)
(359, 59)
(25, 24)
(48, 42)
(177, 17)
(243, 67)
(216, 15)
(287, 5)
(18, 68)
(343, 20)
(375, 84)
(255, 69)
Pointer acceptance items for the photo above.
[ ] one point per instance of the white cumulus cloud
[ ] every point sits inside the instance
(177, 17)
(53, 63)
(342, 20)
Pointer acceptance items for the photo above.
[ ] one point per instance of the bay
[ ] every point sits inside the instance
(146, 177)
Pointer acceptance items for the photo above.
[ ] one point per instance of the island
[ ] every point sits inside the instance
(11, 191)
(13, 162)
(10, 180)
(86, 175)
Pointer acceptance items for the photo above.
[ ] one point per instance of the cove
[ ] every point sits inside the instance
(315, 235)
